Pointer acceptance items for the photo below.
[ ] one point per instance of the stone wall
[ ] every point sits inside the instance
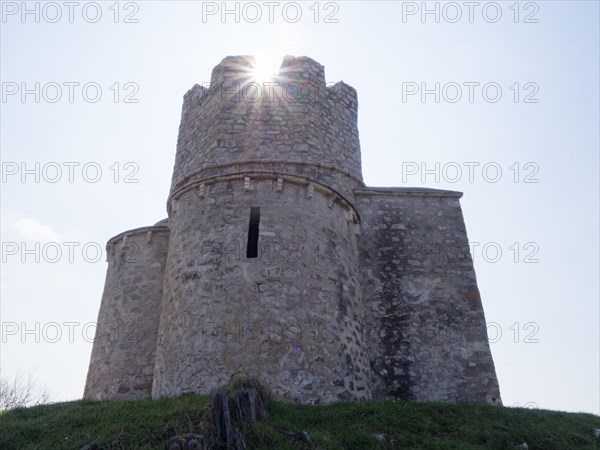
(426, 333)
(292, 315)
(122, 360)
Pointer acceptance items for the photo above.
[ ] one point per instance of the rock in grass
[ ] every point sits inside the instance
(222, 419)
(251, 405)
(239, 443)
(381, 438)
(188, 441)
(296, 435)
(90, 446)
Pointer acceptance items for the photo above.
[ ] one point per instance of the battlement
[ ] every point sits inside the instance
(233, 67)
(300, 79)
(302, 68)
(293, 117)
(241, 68)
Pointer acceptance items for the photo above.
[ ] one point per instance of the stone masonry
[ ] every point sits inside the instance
(277, 261)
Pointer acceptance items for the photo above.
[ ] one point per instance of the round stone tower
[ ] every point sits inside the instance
(122, 360)
(262, 272)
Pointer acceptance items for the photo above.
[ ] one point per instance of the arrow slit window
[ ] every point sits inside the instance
(252, 248)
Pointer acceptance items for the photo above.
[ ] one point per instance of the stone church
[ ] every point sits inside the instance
(277, 261)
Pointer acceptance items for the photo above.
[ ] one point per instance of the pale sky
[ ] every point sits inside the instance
(88, 152)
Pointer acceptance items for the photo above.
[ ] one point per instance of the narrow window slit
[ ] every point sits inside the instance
(252, 249)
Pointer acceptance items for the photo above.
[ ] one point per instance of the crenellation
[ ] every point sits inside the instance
(302, 70)
(277, 261)
(232, 68)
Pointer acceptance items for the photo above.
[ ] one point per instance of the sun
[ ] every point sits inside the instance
(265, 68)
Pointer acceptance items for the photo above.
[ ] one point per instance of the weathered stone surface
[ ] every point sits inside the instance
(251, 405)
(427, 336)
(276, 261)
(291, 316)
(122, 360)
(222, 419)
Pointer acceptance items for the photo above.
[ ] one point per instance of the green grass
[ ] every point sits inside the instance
(146, 424)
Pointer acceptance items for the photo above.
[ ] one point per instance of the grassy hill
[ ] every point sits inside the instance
(365, 425)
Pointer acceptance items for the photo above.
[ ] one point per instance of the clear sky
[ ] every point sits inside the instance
(88, 152)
